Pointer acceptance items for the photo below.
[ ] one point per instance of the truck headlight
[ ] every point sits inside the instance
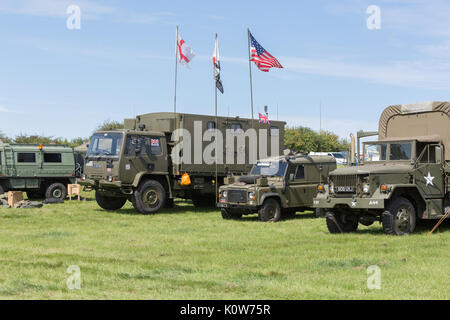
(366, 188)
(224, 194)
(331, 188)
(83, 177)
(251, 196)
(110, 179)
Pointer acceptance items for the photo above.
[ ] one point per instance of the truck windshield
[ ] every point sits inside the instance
(269, 168)
(105, 145)
(375, 152)
(397, 151)
(400, 151)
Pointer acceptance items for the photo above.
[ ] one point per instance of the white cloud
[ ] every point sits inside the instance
(53, 8)
(417, 74)
(89, 10)
(3, 109)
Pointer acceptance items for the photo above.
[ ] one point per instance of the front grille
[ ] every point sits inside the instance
(237, 196)
(345, 184)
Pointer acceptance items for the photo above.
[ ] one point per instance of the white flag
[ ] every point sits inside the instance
(185, 52)
(216, 66)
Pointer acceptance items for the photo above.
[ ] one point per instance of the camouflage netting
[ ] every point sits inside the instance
(24, 204)
(21, 204)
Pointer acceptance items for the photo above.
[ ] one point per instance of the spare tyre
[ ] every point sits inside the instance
(249, 179)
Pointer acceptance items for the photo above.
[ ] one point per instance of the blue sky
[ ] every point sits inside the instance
(63, 83)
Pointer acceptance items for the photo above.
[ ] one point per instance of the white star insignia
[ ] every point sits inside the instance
(429, 179)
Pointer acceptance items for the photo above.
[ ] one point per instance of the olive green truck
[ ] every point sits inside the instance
(275, 186)
(402, 178)
(160, 156)
(42, 171)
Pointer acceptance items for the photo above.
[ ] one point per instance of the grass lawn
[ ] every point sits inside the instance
(183, 253)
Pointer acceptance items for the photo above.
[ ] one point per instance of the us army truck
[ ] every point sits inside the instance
(403, 177)
(275, 186)
(43, 171)
(160, 156)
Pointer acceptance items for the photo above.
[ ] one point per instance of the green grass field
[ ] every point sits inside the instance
(183, 253)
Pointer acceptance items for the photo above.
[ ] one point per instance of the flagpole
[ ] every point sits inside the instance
(217, 125)
(176, 66)
(250, 69)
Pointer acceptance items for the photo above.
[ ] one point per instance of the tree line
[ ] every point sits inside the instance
(295, 138)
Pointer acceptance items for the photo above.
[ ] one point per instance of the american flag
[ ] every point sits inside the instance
(263, 118)
(263, 59)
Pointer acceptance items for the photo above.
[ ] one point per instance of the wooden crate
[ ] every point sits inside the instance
(14, 197)
(74, 189)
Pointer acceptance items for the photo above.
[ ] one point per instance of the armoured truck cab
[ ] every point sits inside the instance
(116, 161)
(275, 186)
(42, 171)
(402, 177)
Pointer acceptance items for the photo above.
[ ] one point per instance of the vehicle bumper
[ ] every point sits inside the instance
(100, 184)
(237, 206)
(352, 203)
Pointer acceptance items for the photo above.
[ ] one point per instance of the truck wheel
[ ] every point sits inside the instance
(109, 203)
(228, 214)
(2, 191)
(340, 223)
(56, 191)
(270, 211)
(149, 197)
(399, 218)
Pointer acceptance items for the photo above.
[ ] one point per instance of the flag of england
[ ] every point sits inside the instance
(185, 52)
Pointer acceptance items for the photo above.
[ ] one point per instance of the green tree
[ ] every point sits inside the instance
(307, 140)
(110, 125)
(4, 138)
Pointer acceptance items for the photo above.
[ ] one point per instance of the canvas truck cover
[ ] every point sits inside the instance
(417, 121)
(167, 122)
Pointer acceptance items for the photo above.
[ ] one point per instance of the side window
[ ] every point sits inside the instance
(26, 157)
(130, 145)
(235, 127)
(300, 173)
(52, 157)
(133, 142)
(155, 146)
(210, 125)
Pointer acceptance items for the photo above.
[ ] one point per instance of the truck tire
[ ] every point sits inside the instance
(109, 203)
(56, 191)
(228, 214)
(149, 197)
(340, 223)
(2, 191)
(270, 211)
(399, 218)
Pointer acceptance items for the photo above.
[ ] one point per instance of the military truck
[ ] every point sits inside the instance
(275, 186)
(43, 171)
(141, 163)
(402, 177)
